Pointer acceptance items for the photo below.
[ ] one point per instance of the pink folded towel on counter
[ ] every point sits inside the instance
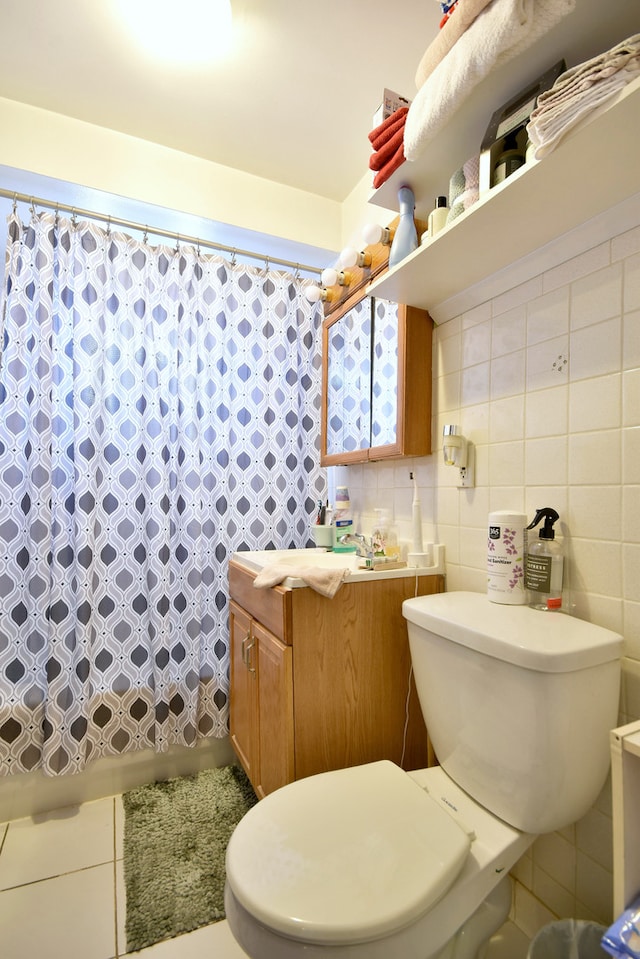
(327, 582)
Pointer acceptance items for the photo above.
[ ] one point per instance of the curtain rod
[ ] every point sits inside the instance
(145, 228)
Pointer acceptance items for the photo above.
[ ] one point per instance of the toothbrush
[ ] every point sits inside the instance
(418, 546)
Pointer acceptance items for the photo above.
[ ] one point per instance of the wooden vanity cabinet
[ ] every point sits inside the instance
(319, 684)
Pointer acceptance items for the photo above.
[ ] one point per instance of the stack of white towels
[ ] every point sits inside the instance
(581, 90)
(493, 33)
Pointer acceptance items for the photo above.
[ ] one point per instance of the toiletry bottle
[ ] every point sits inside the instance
(342, 520)
(384, 537)
(405, 240)
(380, 532)
(506, 543)
(438, 216)
(545, 563)
(510, 160)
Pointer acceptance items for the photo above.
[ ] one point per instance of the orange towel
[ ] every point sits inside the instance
(383, 175)
(380, 157)
(388, 128)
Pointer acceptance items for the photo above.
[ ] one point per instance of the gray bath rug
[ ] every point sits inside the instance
(175, 838)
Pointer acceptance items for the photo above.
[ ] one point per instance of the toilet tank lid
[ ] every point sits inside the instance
(549, 642)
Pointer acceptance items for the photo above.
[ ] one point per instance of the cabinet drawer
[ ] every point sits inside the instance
(271, 606)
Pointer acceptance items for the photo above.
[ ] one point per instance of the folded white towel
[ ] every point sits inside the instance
(327, 582)
(548, 129)
(580, 91)
(585, 74)
(503, 30)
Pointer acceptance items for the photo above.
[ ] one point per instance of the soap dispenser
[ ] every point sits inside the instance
(544, 564)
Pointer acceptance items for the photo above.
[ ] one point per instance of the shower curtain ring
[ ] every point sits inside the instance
(15, 203)
(145, 235)
(177, 249)
(233, 257)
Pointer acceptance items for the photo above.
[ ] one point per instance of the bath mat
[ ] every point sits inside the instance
(175, 838)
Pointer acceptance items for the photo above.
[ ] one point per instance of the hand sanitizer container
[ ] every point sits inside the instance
(506, 544)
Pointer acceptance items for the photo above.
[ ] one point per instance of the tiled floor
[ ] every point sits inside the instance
(62, 893)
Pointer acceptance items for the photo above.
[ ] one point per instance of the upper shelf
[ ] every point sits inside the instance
(594, 26)
(595, 167)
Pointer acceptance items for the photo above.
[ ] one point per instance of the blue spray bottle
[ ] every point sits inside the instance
(405, 240)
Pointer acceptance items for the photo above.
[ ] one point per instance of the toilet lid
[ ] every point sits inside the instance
(345, 856)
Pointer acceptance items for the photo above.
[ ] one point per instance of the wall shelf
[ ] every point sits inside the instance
(592, 27)
(593, 168)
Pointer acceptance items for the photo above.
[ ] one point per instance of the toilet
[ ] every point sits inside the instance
(372, 861)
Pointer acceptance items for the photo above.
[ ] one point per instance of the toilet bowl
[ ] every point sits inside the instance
(373, 862)
(356, 863)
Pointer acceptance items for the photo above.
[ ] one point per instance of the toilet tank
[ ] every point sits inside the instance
(518, 704)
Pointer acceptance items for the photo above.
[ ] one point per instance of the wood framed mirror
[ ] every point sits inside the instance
(376, 381)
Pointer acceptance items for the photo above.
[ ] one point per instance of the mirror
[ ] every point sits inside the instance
(348, 390)
(376, 397)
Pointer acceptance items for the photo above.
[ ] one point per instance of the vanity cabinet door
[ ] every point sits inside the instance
(243, 704)
(275, 711)
(261, 703)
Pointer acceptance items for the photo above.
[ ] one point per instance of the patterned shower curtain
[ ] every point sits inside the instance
(159, 409)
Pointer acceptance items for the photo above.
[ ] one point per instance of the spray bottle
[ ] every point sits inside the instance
(544, 565)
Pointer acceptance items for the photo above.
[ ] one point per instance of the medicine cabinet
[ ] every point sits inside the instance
(376, 381)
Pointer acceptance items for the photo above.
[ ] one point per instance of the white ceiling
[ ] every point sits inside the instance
(293, 101)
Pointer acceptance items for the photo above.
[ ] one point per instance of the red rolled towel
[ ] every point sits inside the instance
(386, 130)
(383, 175)
(378, 159)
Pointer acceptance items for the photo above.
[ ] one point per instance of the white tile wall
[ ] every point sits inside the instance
(544, 378)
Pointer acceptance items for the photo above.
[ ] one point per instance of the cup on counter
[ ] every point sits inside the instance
(322, 535)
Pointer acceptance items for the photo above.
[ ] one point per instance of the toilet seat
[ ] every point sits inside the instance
(345, 856)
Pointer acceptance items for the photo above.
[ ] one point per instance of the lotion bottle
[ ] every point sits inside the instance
(438, 216)
(342, 521)
(545, 564)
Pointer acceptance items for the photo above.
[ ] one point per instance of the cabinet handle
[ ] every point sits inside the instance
(250, 646)
(244, 648)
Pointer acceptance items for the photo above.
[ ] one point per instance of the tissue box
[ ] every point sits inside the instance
(390, 103)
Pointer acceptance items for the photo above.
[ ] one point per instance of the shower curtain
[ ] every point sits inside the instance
(159, 409)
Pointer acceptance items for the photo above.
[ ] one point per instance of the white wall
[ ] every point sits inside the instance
(551, 433)
(56, 146)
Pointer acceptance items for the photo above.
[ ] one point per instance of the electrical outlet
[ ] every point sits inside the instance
(467, 473)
